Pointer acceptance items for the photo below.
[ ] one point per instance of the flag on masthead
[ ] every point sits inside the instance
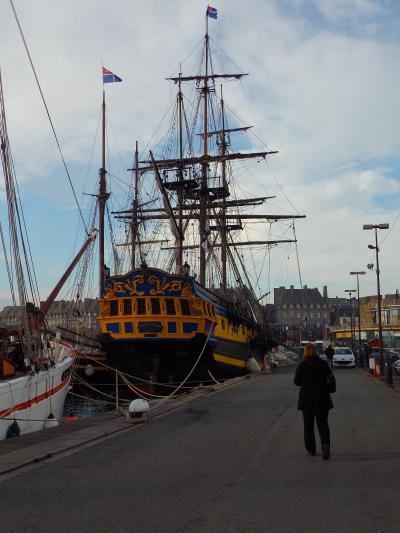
(212, 12)
(109, 77)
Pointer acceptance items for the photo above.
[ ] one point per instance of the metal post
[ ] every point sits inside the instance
(352, 324)
(382, 362)
(116, 390)
(360, 359)
(389, 376)
(361, 273)
(350, 291)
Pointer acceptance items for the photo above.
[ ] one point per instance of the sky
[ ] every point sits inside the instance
(322, 89)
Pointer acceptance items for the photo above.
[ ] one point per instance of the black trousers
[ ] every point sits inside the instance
(322, 425)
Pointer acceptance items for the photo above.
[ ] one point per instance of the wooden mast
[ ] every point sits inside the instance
(179, 252)
(223, 208)
(134, 222)
(204, 181)
(102, 197)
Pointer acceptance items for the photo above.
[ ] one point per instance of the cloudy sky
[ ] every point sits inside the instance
(323, 90)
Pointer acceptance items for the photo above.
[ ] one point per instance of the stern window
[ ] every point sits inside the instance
(170, 304)
(155, 306)
(113, 307)
(127, 307)
(185, 307)
(141, 306)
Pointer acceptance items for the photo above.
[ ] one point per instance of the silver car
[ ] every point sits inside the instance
(344, 358)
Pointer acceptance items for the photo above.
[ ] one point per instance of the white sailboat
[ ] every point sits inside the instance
(35, 367)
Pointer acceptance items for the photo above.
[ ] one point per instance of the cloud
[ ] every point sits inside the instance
(337, 10)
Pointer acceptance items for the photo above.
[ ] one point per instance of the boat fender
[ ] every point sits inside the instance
(138, 408)
(51, 422)
(252, 365)
(13, 430)
(89, 370)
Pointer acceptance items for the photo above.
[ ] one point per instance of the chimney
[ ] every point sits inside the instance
(325, 291)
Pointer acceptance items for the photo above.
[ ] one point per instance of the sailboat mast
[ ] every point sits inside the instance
(223, 208)
(102, 200)
(134, 222)
(203, 188)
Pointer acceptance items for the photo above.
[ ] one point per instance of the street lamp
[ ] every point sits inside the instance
(375, 227)
(350, 291)
(360, 360)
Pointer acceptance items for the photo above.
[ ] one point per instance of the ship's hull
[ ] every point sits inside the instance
(34, 402)
(167, 360)
(161, 327)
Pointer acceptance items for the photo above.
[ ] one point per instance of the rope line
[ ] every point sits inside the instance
(188, 375)
(130, 375)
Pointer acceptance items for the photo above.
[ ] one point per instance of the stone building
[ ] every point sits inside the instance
(303, 313)
(67, 314)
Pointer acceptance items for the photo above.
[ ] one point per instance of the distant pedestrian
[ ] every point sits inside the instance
(314, 399)
(330, 352)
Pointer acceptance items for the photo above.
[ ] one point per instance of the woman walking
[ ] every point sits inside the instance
(314, 399)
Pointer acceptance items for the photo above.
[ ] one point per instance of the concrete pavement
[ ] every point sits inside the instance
(231, 462)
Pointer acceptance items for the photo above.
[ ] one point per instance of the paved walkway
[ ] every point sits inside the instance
(232, 462)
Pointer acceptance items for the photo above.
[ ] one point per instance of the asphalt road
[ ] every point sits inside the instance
(232, 462)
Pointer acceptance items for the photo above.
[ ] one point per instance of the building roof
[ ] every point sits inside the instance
(304, 297)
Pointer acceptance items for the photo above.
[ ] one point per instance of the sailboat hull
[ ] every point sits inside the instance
(33, 400)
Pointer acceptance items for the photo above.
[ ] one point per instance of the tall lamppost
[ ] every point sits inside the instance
(350, 291)
(375, 227)
(360, 359)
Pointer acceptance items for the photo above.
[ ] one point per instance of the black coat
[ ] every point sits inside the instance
(311, 378)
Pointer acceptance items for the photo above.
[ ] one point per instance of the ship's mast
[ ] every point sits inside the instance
(179, 252)
(134, 222)
(102, 198)
(209, 203)
(225, 187)
(204, 181)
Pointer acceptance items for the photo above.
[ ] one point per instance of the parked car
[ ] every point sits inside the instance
(396, 367)
(343, 358)
(387, 354)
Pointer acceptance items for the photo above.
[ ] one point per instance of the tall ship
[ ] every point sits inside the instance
(186, 304)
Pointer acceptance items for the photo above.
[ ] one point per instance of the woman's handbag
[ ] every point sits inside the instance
(331, 382)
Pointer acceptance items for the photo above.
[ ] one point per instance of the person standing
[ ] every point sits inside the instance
(330, 352)
(314, 399)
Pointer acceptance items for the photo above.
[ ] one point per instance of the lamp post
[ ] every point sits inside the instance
(350, 291)
(375, 227)
(360, 359)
